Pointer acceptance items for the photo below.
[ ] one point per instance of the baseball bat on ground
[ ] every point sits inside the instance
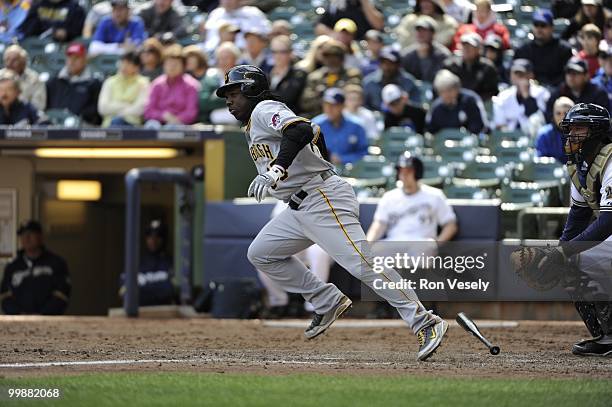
(466, 323)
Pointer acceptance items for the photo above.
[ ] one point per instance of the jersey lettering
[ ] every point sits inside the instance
(261, 150)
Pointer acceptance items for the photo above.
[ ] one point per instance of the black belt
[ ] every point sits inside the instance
(296, 199)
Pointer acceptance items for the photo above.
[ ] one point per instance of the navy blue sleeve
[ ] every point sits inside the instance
(594, 234)
(475, 122)
(9, 303)
(577, 221)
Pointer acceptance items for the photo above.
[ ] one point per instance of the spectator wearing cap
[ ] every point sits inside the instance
(426, 57)
(173, 97)
(591, 12)
(256, 50)
(374, 44)
(156, 269)
(353, 106)
(151, 58)
(37, 280)
(123, 95)
(476, 72)
(75, 87)
(345, 30)
(160, 17)
(603, 78)
(455, 107)
(118, 32)
(493, 52)
(241, 16)
(61, 20)
(365, 13)
(398, 110)
(345, 138)
(484, 22)
(577, 87)
(446, 26)
(460, 10)
(550, 140)
(212, 109)
(32, 89)
(523, 104)
(589, 38)
(285, 80)
(196, 63)
(390, 71)
(547, 53)
(14, 112)
(331, 74)
(13, 14)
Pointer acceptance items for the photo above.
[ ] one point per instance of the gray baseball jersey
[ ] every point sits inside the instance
(264, 134)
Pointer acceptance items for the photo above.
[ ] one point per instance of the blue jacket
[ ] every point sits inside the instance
(11, 18)
(20, 113)
(108, 33)
(373, 85)
(349, 141)
(603, 81)
(549, 143)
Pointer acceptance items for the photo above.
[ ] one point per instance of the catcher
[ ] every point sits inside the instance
(585, 248)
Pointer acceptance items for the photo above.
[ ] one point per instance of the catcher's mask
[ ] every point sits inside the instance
(585, 126)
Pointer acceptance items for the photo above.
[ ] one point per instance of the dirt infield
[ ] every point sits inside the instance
(531, 349)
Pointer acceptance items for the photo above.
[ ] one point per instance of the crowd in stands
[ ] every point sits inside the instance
(442, 64)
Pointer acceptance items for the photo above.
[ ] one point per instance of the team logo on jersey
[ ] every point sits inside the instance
(275, 121)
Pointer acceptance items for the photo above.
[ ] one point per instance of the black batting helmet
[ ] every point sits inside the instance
(596, 119)
(407, 160)
(251, 80)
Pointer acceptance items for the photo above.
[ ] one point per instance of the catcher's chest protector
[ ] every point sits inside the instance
(593, 179)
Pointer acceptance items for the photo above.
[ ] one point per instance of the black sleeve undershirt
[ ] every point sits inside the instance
(295, 137)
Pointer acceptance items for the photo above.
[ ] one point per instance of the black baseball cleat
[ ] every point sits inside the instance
(321, 322)
(584, 341)
(592, 348)
(430, 338)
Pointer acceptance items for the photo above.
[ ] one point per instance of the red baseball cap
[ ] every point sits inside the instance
(76, 48)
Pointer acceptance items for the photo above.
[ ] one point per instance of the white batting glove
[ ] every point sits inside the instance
(262, 183)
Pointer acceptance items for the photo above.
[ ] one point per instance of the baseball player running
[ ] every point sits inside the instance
(290, 155)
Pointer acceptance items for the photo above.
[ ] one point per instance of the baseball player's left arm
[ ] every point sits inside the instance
(58, 300)
(593, 234)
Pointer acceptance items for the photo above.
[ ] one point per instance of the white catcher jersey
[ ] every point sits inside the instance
(415, 216)
(264, 134)
(605, 203)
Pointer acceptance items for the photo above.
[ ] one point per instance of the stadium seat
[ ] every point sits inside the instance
(453, 137)
(485, 172)
(105, 64)
(540, 169)
(369, 166)
(435, 171)
(524, 193)
(511, 153)
(466, 192)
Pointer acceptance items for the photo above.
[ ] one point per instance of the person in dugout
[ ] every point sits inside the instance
(155, 272)
(36, 281)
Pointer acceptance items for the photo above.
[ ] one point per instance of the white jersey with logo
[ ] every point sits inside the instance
(605, 203)
(413, 216)
(264, 134)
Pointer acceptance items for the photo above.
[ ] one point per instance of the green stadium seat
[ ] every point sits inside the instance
(511, 153)
(483, 172)
(540, 169)
(105, 64)
(370, 166)
(435, 171)
(524, 193)
(466, 192)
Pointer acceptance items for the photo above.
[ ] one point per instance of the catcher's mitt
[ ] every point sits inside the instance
(541, 268)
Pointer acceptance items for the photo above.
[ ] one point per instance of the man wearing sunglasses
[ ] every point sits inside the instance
(547, 53)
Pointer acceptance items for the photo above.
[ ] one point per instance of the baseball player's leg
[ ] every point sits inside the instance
(333, 223)
(277, 297)
(319, 263)
(272, 252)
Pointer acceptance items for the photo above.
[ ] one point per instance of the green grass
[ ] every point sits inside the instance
(216, 389)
